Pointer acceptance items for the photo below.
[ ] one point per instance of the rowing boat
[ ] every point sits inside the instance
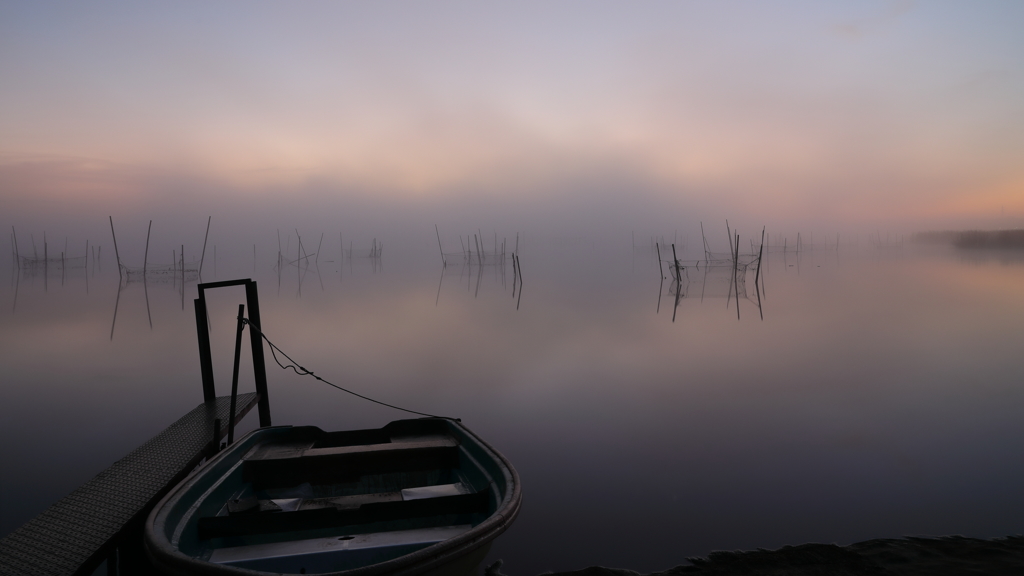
(416, 497)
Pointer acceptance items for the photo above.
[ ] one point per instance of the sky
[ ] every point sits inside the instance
(903, 114)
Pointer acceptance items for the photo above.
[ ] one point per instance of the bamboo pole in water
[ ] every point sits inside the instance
(202, 258)
(17, 255)
(735, 270)
(660, 271)
(515, 275)
(145, 258)
(759, 253)
(116, 253)
(704, 240)
(675, 262)
(438, 232)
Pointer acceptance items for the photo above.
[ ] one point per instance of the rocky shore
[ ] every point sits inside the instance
(947, 555)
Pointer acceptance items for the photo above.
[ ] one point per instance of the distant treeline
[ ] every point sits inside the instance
(974, 238)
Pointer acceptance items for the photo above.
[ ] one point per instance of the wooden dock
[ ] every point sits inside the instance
(101, 520)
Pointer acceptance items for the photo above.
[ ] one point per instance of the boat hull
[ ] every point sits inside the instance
(419, 497)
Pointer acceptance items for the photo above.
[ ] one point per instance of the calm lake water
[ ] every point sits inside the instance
(879, 396)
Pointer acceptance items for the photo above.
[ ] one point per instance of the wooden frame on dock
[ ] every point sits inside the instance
(255, 338)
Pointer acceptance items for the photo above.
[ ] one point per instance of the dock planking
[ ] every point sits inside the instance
(77, 533)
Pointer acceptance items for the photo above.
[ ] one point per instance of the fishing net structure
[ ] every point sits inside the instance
(718, 276)
(477, 257)
(304, 260)
(719, 259)
(475, 253)
(58, 262)
(374, 252)
(189, 272)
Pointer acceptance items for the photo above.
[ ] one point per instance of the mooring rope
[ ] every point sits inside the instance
(302, 371)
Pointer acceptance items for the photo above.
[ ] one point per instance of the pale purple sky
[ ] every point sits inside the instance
(906, 113)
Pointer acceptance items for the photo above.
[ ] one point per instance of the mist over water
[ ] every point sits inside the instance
(864, 387)
(878, 397)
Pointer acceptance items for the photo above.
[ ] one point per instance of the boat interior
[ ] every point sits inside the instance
(308, 501)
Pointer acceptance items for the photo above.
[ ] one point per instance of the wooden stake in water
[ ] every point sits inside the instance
(704, 240)
(675, 260)
(17, 255)
(116, 253)
(438, 232)
(735, 270)
(202, 258)
(660, 271)
(515, 260)
(757, 276)
(515, 275)
(145, 258)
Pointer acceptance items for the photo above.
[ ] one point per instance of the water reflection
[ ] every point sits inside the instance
(718, 275)
(305, 263)
(29, 269)
(876, 398)
(472, 268)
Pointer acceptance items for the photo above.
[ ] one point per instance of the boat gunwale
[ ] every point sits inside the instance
(169, 558)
